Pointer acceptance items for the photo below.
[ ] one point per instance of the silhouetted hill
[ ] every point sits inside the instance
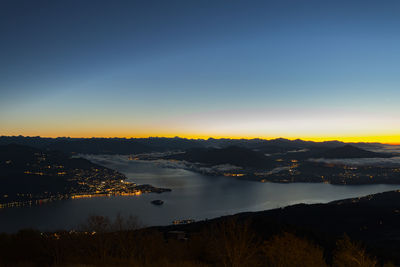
(372, 219)
(299, 235)
(15, 161)
(18, 154)
(101, 146)
(32, 141)
(176, 143)
(349, 151)
(30, 171)
(233, 155)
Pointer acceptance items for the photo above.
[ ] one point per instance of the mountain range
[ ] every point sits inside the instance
(159, 144)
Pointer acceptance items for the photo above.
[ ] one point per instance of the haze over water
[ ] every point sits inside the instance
(193, 196)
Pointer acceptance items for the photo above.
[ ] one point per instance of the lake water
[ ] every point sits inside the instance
(193, 196)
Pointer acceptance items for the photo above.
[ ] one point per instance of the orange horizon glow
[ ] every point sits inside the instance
(383, 139)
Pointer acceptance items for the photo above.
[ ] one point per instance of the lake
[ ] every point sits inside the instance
(193, 196)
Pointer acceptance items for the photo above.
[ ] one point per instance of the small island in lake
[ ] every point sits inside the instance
(157, 202)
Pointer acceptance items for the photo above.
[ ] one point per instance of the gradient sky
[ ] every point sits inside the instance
(316, 70)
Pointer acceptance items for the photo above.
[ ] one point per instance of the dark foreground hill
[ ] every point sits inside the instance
(301, 235)
(374, 220)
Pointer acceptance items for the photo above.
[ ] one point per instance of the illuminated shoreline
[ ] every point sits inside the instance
(124, 194)
(40, 201)
(29, 203)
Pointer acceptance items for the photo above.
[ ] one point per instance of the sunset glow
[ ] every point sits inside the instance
(237, 133)
(326, 73)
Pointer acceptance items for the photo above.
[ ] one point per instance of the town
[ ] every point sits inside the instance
(55, 176)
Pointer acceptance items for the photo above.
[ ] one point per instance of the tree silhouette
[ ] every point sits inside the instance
(234, 243)
(351, 254)
(288, 250)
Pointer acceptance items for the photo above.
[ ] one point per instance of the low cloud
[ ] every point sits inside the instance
(377, 162)
(195, 166)
(386, 149)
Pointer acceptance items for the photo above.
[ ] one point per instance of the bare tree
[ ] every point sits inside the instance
(351, 254)
(126, 236)
(96, 229)
(234, 244)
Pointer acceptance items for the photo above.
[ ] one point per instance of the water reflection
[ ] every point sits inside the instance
(193, 196)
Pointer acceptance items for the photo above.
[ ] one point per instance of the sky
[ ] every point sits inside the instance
(315, 70)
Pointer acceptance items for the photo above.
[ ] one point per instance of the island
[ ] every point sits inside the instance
(157, 202)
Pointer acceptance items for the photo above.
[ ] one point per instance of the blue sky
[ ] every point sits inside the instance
(308, 69)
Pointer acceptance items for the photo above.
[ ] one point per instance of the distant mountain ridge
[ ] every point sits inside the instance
(159, 144)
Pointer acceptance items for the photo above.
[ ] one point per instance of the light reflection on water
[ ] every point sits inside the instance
(193, 196)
